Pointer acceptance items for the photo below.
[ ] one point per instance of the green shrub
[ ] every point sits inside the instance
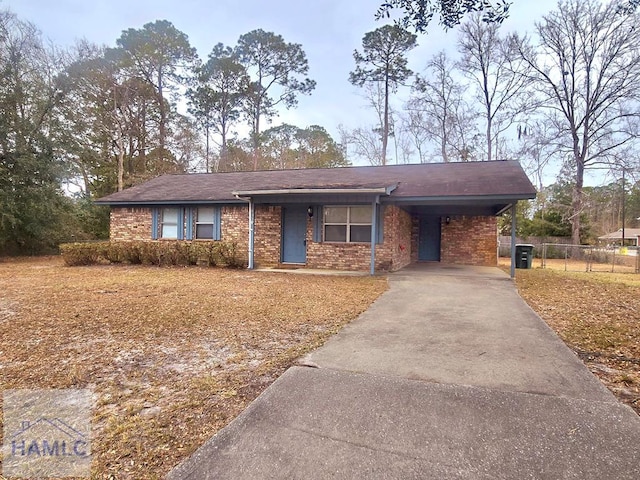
(214, 253)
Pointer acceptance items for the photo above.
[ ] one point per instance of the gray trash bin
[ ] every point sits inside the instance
(524, 255)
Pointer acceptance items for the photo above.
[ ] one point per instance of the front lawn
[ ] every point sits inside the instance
(172, 354)
(598, 317)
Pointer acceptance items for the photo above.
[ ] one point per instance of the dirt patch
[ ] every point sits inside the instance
(598, 317)
(172, 354)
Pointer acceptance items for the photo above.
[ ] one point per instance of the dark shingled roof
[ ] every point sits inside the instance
(472, 179)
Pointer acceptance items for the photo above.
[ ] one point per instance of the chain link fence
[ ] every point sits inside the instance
(589, 258)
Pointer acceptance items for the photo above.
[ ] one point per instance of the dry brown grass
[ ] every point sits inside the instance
(172, 354)
(581, 265)
(598, 316)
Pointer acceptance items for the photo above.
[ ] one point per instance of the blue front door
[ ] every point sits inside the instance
(294, 234)
(429, 239)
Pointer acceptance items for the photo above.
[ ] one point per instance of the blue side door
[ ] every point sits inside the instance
(294, 234)
(429, 239)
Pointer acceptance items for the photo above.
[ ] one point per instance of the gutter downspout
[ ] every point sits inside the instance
(251, 228)
(374, 234)
(513, 240)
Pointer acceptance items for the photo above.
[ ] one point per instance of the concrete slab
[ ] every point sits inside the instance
(314, 271)
(420, 269)
(319, 423)
(460, 325)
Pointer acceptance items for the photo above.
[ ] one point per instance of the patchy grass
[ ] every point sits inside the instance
(172, 354)
(598, 317)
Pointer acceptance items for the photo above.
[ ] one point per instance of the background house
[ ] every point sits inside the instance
(631, 237)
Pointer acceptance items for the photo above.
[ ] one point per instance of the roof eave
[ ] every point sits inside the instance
(426, 200)
(317, 191)
(125, 203)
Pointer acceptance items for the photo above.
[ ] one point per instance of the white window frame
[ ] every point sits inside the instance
(162, 223)
(348, 223)
(199, 222)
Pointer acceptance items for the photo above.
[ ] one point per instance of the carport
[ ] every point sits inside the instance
(434, 212)
(436, 197)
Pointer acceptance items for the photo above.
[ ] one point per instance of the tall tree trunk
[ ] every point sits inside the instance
(120, 164)
(223, 148)
(385, 128)
(131, 165)
(443, 144)
(256, 133)
(207, 148)
(142, 140)
(489, 142)
(163, 116)
(576, 202)
(85, 179)
(118, 143)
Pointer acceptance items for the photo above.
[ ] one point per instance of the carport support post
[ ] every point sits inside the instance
(513, 240)
(252, 214)
(374, 234)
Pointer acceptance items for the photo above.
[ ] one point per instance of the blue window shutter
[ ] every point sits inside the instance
(180, 223)
(317, 224)
(155, 214)
(217, 220)
(380, 222)
(189, 223)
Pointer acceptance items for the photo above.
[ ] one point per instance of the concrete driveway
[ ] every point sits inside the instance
(449, 374)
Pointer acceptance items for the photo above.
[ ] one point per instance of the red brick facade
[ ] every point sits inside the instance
(268, 229)
(234, 227)
(392, 254)
(465, 240)
(129, 224)
(470, 241)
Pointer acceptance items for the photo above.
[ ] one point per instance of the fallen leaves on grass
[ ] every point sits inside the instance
(598, 316)
(172, 354)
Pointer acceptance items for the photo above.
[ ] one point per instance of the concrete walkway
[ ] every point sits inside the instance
(449, 374)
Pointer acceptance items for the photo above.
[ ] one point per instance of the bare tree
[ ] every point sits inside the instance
(438, 108)
(367, 141)
(414, 121)
(587, 68)
(403, 139)
(493, 64)
(363, 142)
(537, 148)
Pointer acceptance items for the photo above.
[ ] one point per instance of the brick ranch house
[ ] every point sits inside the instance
(352, 218)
